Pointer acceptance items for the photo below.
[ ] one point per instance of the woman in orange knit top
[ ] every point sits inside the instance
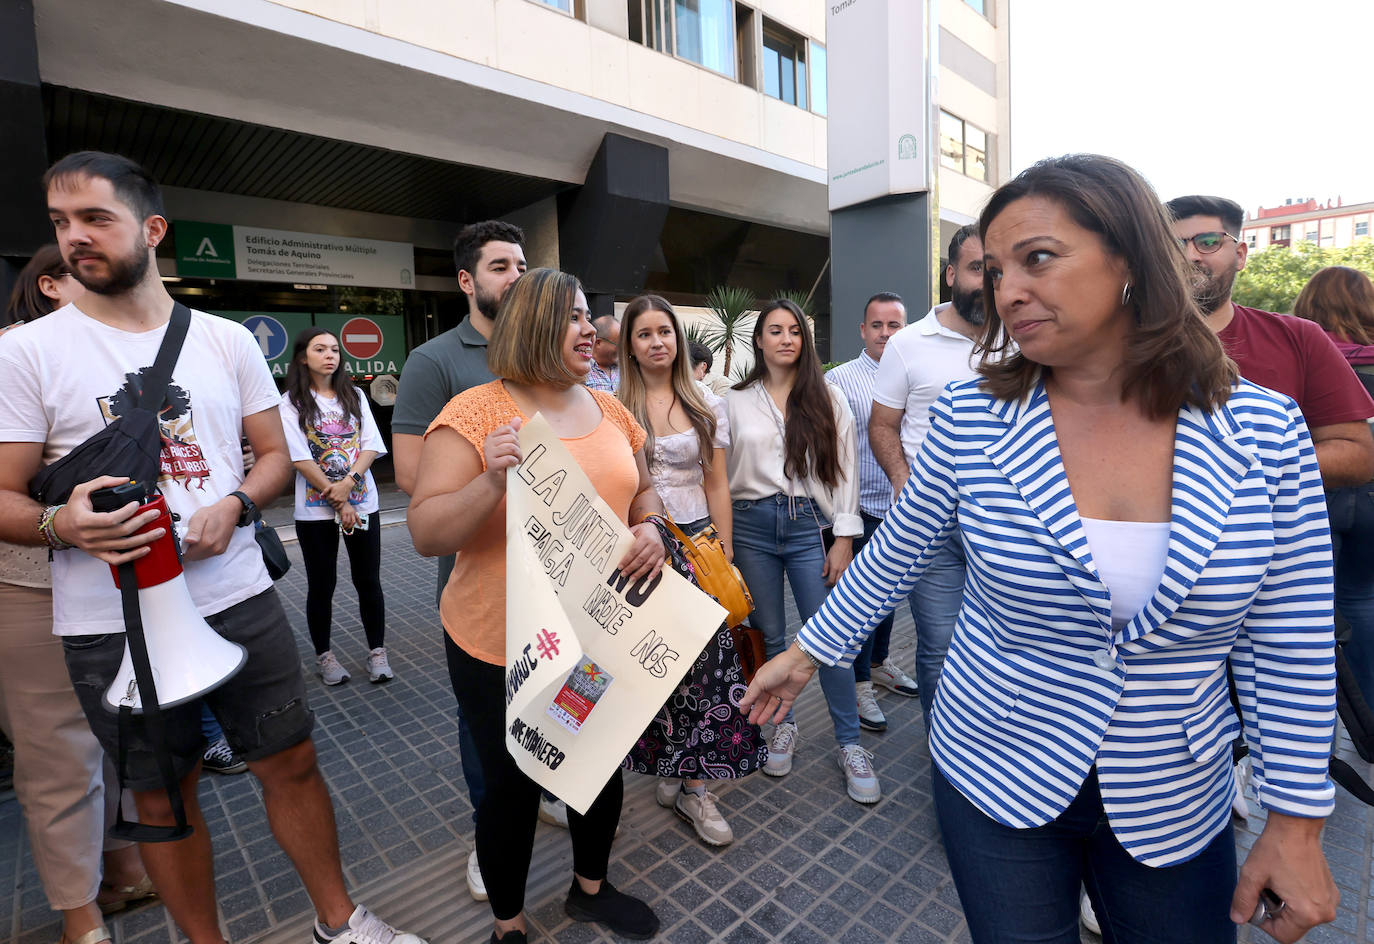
(541, 347)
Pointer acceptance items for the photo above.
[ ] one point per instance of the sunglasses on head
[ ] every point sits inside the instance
(1206, 242)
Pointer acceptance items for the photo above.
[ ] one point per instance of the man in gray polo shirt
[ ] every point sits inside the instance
(489, 257)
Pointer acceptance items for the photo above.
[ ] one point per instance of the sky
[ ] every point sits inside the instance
(1258, 101)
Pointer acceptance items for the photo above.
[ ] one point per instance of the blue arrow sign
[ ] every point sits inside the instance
(269, 333)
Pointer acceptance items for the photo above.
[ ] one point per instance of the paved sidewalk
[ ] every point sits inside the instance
(808, 864)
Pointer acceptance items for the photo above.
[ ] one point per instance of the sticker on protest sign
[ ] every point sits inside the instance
(580, 692)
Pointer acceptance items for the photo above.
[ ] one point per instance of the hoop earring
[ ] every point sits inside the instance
(1125, 294)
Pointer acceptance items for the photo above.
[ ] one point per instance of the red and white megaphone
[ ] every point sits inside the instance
(187, 657)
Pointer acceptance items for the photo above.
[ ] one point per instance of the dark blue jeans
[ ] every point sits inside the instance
(1352, 550)
(1021, 885)
(876, 648)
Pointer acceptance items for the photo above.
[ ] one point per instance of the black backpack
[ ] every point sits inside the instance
(1358, 718)
(1351, 703)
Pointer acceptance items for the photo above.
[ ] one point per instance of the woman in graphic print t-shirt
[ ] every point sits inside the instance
(333, 441)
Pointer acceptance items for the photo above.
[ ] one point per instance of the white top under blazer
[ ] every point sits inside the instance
(1038, 687)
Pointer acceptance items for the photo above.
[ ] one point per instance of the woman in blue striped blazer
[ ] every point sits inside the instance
(1134, 518)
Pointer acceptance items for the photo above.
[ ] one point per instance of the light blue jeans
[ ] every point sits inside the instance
(770, 543)
(935, 602)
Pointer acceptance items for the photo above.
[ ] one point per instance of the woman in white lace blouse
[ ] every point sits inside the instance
(697, 736)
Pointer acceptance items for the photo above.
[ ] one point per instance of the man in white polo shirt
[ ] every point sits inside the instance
(919, 361)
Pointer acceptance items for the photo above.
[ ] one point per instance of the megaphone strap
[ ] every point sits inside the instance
(153, 723)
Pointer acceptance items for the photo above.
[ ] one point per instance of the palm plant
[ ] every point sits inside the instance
(804, 300)
(731, 307)
(695, 331)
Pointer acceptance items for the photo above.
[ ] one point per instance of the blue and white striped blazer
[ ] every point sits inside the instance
(1037, 688)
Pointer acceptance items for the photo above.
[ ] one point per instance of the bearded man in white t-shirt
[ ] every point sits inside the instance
(918, 362)
(67, 376)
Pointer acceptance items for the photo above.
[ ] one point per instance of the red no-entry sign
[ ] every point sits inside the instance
(362, 338)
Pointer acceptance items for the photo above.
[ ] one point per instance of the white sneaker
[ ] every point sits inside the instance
(378, 669)
(860, 780)
(871, 717)
(701, 811)
(779, 763)
(329, 670)
(476, 887)
(553, 812)
(894, 679)
(666, 792)
(364, 927)
(1086, 916)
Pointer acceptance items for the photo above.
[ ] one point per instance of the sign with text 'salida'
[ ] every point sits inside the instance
(590, 656)
(369, 344)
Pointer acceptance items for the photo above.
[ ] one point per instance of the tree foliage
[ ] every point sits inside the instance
(732, 308)
(696, 331)
(802, 300)
(1273, 277)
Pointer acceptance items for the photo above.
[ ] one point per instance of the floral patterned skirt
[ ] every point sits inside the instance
(701, 734)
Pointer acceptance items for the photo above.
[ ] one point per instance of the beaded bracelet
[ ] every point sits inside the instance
(49, 532)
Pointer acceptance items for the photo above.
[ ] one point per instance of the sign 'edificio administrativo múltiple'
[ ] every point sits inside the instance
(225, 251)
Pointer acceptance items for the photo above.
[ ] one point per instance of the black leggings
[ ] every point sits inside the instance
(319, 542)
(510, 803)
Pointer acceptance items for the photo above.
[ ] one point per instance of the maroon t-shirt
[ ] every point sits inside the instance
(1295, 357)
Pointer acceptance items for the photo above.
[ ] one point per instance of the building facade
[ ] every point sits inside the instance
(645, 145)
(1329, 224)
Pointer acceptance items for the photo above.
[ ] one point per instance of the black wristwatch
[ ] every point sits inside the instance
(250, 510)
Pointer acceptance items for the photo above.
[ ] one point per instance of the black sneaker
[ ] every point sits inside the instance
(624, 915)
(219, 758)
(512, 937)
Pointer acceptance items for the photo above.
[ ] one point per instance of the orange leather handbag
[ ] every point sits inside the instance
(715, 574)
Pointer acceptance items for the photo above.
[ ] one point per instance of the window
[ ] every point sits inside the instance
(784, 65)
(963, 147)
(979, 5)
(1252, 240)
(706, 33)
(1279, 234)
(1362, 228)
(564, 5)
(975, 152)
(818, 94)
(1310, 236)
(747, 47)
(700, 31)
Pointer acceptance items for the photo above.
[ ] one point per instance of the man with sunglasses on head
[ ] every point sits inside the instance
(1281, 352)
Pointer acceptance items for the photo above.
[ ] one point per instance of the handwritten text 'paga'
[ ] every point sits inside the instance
(583, 529)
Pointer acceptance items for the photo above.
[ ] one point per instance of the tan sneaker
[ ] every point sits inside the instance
(894, 679)
(860, 780)
(378, 668)
(871, 717)
(701, 811)
(329, 669)
(553, 811)
(666, 791)
(780, 747)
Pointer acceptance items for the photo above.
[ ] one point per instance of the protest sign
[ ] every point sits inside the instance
(590, 655)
